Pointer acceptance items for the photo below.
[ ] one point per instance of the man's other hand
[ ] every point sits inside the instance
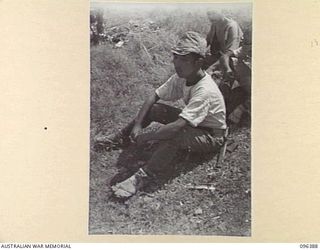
(136, 130)
(144, 138)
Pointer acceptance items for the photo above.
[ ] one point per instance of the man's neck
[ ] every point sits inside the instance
(194, 78)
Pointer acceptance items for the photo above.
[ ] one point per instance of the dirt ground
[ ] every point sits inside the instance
(172, 206)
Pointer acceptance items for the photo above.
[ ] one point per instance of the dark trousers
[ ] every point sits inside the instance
(190, 139)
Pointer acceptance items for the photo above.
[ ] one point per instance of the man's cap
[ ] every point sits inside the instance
(190, 42)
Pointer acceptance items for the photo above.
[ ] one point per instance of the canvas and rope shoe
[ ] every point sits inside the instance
(130, 186)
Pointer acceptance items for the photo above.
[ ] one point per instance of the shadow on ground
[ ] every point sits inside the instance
(134, 157)
(169, 206)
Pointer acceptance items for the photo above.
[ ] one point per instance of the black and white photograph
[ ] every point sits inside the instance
(170, 119)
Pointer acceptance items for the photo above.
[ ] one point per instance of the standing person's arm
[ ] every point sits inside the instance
(232, 44)
(233, 38)
(224, 61)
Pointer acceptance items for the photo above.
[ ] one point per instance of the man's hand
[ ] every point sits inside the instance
(143, 138)
(238, 52)
(135, 131)
(229, 76)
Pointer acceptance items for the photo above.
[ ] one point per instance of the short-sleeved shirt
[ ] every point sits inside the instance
(204, 102)
(224, 36)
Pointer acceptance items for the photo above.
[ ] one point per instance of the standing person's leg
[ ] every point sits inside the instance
(237, 97)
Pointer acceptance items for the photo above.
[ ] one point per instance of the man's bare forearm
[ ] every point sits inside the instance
(145, 108)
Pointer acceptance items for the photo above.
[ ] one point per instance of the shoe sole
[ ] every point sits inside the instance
(121, 193)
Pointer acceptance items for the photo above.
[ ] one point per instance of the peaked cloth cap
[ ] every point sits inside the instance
(190, 42)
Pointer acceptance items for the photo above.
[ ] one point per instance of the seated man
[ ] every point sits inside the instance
(199, 127)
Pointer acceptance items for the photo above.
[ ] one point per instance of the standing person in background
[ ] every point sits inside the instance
(239, 103)
(224, 39)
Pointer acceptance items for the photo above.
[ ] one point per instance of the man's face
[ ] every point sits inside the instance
(184, 65)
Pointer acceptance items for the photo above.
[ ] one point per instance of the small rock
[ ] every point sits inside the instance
(119, 44)
(198, 211)
(147, 199)
(157, 206)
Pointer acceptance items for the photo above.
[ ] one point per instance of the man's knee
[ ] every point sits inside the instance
(155, 112)
(153, 115)
(163, 113)
(156, 108)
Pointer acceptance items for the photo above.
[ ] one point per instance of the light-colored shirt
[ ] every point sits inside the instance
(204, 102)
(224, 36)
